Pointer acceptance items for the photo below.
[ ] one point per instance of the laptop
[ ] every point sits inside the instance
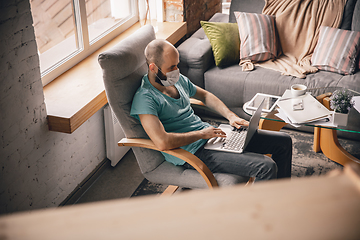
(236, 140)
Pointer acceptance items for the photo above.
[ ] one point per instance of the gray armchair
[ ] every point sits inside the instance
(123, 67)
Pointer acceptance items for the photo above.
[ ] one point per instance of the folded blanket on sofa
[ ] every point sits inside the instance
(298, 24)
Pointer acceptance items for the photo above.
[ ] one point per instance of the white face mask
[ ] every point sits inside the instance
(171, 78)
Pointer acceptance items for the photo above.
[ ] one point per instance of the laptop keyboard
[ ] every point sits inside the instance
(236, 140)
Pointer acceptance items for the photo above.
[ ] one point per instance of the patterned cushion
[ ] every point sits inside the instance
(336, 50)
(257, 36)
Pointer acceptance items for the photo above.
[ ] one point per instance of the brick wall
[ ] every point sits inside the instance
(191, 11)
(38, 168)
(197, 10)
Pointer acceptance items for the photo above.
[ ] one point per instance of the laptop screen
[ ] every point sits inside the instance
(254, 123)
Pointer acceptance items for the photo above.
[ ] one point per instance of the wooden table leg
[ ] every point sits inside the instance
(325, 140)
(271, 125)
(316, 144)
(330, 146)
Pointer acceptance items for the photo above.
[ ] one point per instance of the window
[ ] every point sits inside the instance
(67, 31)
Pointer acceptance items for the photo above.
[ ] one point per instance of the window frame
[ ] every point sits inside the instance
(85, 47)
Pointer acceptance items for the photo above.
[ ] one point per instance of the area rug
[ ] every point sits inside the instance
(305, 161)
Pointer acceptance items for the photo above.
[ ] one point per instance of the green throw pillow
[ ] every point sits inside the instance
(225, 42)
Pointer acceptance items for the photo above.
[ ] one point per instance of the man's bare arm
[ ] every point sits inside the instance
(213, 102)
(167, 140)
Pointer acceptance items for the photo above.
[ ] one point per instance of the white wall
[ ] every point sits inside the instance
(38, 168)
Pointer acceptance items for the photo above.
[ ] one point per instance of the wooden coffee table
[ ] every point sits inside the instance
(325, 138)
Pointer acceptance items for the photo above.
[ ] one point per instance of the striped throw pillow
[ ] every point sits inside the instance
(257, 36)
(336, 50)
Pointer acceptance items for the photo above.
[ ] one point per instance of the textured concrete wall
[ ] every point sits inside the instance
(38, 168)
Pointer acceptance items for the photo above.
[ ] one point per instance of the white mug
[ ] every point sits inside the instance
(298, 90)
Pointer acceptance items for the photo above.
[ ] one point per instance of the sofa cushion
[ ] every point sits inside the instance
(225, 42)
(238, 87)
(196, 55)
(253, 6)
(355, 25)
(348, 15)
(257, 36)
(336, 50)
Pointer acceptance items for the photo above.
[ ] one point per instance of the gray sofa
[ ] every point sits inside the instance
(235, 87)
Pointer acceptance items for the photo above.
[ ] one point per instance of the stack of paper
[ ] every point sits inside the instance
(356, 100)
(313, 109)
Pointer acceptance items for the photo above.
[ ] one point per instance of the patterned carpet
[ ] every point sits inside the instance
(305, 161)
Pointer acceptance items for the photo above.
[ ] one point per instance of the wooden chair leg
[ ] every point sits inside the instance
(250, 182)
(171, 189)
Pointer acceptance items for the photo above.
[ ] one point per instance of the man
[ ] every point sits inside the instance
(162, 105)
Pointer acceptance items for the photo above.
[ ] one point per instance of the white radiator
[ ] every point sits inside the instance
(113, 134)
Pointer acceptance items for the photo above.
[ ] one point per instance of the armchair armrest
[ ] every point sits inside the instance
(188, 157)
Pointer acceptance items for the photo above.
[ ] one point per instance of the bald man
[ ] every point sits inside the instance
(163, 107)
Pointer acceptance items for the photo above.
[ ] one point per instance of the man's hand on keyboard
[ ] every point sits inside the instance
(212, 132)
(237, 122)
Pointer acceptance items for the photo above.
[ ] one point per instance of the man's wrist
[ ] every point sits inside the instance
(231, 116)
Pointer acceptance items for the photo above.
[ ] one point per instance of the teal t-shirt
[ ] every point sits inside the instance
(176, 115)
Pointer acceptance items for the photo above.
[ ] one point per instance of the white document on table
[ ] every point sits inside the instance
(313, 109)
(325, 122)
(356, 99)
(282, 115)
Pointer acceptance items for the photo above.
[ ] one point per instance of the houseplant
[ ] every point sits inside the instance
(341, 102)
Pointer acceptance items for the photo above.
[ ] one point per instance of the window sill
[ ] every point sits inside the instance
(73, 97)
